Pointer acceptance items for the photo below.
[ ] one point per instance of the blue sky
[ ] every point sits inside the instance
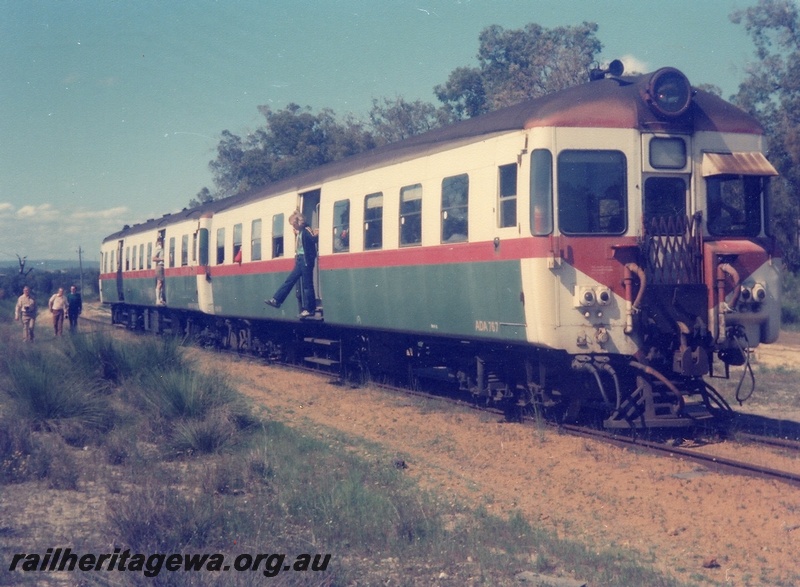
(111, 111)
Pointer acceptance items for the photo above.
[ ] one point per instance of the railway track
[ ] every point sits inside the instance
(690, 454)
(709, 461)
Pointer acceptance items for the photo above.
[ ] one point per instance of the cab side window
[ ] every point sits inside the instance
(592, 192)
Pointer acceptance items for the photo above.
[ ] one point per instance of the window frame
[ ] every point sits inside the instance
(504, 198)
(256, 228)
(454, 198)
(341, 226)
(278, 244)
(373, 221)
(220, 256)
(184, 250)
(413, 215)
(587, 187)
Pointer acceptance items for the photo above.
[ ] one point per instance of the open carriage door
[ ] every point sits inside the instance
(309, 206)
(205, 289)
(120, 287)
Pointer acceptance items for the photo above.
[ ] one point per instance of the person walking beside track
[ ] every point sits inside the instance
(25, 312)
(74, 308)
(58, 307)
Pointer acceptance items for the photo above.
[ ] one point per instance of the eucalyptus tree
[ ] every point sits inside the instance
(771, 92)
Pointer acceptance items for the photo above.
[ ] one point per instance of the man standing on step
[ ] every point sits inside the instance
(305, 257)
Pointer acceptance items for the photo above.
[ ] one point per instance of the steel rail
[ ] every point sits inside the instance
(713, 462)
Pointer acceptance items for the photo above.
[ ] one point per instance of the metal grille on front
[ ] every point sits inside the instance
(673, 247)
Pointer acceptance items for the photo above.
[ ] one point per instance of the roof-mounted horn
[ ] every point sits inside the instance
(615, 68)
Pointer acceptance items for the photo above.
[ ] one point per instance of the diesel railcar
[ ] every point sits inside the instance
(605, 249)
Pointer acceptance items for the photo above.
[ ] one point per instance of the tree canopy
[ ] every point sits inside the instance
(513, 65)
(771, 92)
(516, 65)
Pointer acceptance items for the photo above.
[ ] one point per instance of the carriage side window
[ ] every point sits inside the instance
(277, 236)
(411, 215)
(373, 221)
(734, 204)
(507, 193)
(341, 226)
(113, 260)
(194, 247)
(141, 256)
(255, 240)
(541, 192)
(172, 251)
(455, 208)
(237, 242)
(184, 250)
(127, 258)
(592, 188)
(133, 258)
(149, 255)
(220, 246)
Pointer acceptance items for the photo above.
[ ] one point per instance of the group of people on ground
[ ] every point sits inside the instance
(60, 305)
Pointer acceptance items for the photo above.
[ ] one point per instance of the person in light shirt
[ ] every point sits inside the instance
(58, 307)
(25, 312)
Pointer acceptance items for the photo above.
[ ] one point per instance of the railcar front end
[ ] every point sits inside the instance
(658, 248)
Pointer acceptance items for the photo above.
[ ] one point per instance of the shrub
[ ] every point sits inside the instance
(113, 361)
(183, 393)
(52, 396)
(164, 520)
(215, 433)
(25, 456)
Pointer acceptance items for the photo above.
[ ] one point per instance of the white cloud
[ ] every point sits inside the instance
(42, 212)
(44, 231)
(634, 65)
(109, 213)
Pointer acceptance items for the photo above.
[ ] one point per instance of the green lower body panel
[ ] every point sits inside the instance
(470, 300)
(482, 300)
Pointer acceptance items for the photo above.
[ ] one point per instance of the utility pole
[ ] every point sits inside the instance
(80, 267)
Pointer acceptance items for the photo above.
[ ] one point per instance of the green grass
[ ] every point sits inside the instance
(190, 469)
(45, 390)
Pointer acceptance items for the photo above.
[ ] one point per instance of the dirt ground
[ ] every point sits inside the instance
(698, 526)
(694, 524)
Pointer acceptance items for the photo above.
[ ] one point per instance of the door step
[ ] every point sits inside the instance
(325, 351)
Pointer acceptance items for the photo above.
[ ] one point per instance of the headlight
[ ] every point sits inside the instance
(603, 296)
(669, 92)
(585, 297)
(759, 293)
